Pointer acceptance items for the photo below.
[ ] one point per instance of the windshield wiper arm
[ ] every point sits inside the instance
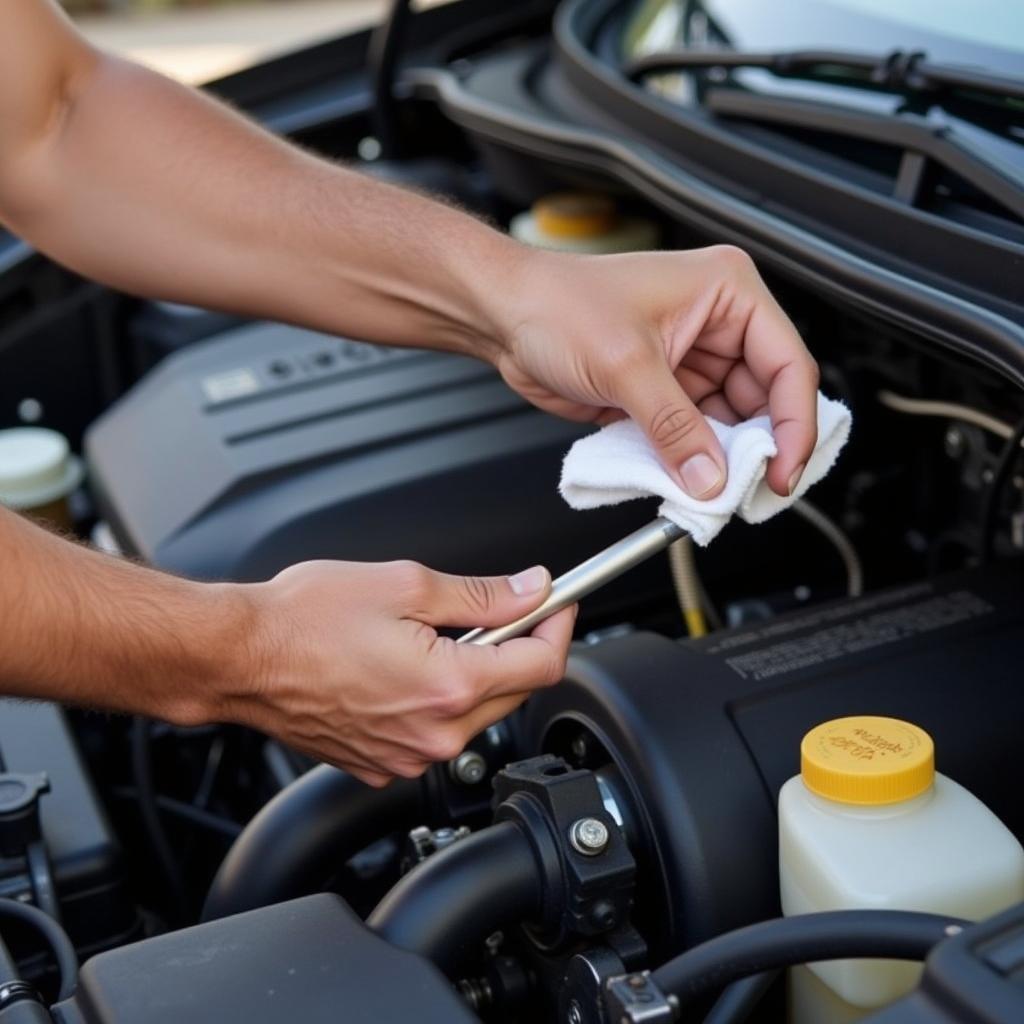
(920, 139)
(899, 70)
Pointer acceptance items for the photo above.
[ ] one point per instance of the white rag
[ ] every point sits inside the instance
(618, 463)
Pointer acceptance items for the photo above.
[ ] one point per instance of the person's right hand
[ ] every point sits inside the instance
(348, 665)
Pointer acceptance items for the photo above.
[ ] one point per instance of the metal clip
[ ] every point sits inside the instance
(636, 999)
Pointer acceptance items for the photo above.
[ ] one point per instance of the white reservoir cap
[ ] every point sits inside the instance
(36, 467)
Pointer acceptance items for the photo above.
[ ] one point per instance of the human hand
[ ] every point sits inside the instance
(663, 337)
(347, 664)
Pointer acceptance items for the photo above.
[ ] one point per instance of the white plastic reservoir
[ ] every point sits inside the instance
(870, 824)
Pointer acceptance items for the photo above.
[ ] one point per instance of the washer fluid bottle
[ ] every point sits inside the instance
(869, 824)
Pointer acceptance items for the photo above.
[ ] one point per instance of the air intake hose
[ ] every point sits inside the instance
(303, 836)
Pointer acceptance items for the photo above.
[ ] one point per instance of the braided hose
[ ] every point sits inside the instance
(687, 586)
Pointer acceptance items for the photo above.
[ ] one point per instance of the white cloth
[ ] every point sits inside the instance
(618, 463)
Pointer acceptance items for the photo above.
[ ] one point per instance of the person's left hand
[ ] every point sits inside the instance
(665, 337)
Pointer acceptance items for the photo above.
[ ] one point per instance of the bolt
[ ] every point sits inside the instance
(477, 992)
(637, 981)
(955, 442)
(580, 747)
(589, 836)
(369, 149)
(468, 768)
(30, 410)
(603, 914)
(575, 1015)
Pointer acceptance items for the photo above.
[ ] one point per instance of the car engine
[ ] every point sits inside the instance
(570, 861)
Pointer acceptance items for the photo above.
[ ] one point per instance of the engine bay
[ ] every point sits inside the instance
(623, 817)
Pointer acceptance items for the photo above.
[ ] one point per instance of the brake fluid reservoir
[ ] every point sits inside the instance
(870, 824)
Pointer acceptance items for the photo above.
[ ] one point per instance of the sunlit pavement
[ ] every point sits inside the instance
(198, 44)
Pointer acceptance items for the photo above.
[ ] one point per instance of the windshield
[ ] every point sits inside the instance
(986, 34)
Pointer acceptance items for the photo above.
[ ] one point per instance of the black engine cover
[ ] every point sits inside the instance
(310, 960)
(269, 445)
(704, 733)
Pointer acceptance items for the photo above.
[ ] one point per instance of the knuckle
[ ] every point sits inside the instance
(556, 668)
(411, 580)
(457, 696)
(443, 746)
(733, 258)
(672, 425)
(478, 594)
(372, 779)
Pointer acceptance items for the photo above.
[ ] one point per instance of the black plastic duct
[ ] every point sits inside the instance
(303, 836)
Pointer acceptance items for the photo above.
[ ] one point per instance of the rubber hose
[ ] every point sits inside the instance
(831, 531)
(740, 999)
(990, 513)
(447, 906)
(300, 839)
(55, 936)
(805, 938)
(142, 769)
(20, 1002)
(386, 45)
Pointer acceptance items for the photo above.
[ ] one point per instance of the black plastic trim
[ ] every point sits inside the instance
(966, 257)
(908, 132)
(953, 322)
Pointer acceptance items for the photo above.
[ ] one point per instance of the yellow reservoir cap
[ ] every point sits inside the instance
(867, 760)
(575, 215)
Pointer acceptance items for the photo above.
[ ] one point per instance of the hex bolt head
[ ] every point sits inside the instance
(580, 747)
(589, 836)
(602, 915)
(955, 442)
(468, 768)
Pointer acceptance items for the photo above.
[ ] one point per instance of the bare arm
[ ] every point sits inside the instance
(339, 659)
(157, 189)
(82, 627)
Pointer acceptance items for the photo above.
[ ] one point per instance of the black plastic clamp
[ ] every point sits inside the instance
(586, 864)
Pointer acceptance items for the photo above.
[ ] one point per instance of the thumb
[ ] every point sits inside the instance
(483, 600)
(684, 441)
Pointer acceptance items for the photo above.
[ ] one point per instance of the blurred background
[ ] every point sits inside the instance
(197, 40)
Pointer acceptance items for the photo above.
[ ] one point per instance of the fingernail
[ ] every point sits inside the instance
(700, 474)
(529, 581)
(795, 478)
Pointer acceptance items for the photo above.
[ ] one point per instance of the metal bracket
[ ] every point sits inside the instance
(636, 999)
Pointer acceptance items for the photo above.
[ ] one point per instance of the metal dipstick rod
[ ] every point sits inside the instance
(585, 578)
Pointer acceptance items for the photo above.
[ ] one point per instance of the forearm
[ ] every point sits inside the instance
(84, 628)
(156, 189)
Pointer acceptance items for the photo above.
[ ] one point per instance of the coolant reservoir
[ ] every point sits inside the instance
(38, 473)
(870, 824)
(582, 222)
